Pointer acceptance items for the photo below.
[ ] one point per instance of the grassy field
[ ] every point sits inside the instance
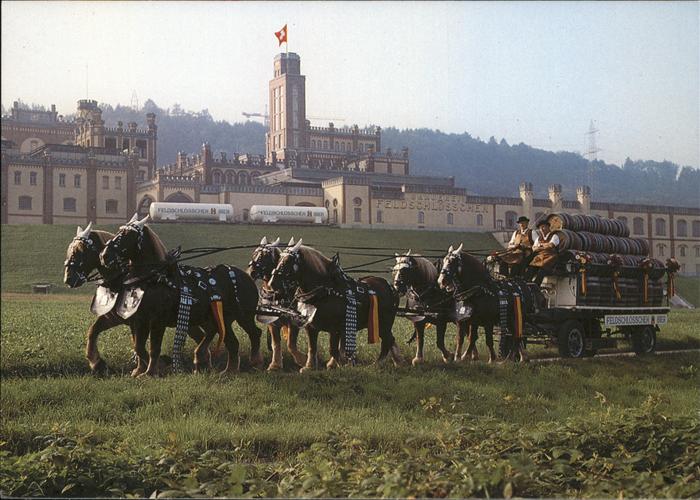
(590, 428)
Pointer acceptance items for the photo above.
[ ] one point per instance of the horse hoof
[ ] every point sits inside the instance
(274, 367)
(100, 368)
(305, 369)
(416, 361)
(447, 359)
(147, 374)
(332, 364)
(228, 372)
(136, 372)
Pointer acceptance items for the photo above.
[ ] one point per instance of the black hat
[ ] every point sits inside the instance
(522, 218)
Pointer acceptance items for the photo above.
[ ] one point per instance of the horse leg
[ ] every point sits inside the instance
(254, 333)
(488, 329)
(276, 361)
(233, 361)
(334, 348)
(312, 357)
(472, 352)
(156, 336)
(97, 364)
(420, 340)
(388, 346)
(202, 355)
(462, 327)
(292, 345)
(440, 328)
(140, 335)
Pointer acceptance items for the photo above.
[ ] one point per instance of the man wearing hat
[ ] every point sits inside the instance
(546, 248)
(519, 249)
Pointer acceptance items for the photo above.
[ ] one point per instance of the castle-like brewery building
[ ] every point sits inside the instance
(342, 169)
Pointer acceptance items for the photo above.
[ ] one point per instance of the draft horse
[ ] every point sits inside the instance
(263, 261)
(416, 278)
(139, 250)
(320, 282)
(463, 275)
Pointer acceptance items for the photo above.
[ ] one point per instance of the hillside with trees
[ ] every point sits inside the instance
(488, 168)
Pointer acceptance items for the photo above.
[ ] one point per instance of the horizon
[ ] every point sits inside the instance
(460, 89)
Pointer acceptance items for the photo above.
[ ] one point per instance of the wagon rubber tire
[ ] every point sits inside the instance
(644, 340)
(571, 340)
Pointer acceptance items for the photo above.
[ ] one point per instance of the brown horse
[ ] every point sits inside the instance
(321, 286)
(463, 273)
(261, 265)
(139, 248)
(416, 277)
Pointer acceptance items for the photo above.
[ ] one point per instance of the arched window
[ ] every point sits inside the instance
(681, 228)
(697, 251)
(230, 177)
(18, 177)
(25, 202)
(216, 176)
(313, 144)
(638, 225)
(421, 217)
(479, 220)
(696, 228)
(335, 215)
(76, 180)
(327, 204)
(243, 178)
(69, 204)
(32, 178)
(660, 227)
(681, 250)
(253, 176)
(358, 214)
(342, 146)
(510, 219)
(450, 218)
(246, 213)
(660, 249)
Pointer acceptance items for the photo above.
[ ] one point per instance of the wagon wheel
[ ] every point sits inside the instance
(571, 340)
(644, 340)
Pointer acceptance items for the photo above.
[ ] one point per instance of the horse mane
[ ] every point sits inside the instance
(426, 268)
(472, 266)
(153, 247)
(315, 260)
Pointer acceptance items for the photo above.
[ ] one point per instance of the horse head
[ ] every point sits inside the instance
(264, 259)
(448, 278)
(285, 275)
(83, 255)
(126, 244)
(404, 272)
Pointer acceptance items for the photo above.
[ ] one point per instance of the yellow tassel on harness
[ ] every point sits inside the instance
(518, 323)
(217, 309)
(671, 285)
(285, 332)
(584, 288)
(373, 320)
(646, 286)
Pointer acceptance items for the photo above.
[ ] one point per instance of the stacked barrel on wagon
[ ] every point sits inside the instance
(612, 268)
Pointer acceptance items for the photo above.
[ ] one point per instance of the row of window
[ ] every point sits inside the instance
(682, 250)
(338, 145)
(69, 204)
(242, 178)
(62, 180)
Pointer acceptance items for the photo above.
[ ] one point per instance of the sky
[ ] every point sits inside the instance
(532, 72)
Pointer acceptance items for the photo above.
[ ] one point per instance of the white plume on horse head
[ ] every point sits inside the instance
(297, 246)
(449, 250)
(263, 241)
(409, 252)
(459, 249)
(291, 242)
(84, 233)
(134, 218)
(276, 242)
(140, 223)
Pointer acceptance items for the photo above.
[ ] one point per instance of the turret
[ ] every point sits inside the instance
(527, 196)
(555, 197)
(583, 195)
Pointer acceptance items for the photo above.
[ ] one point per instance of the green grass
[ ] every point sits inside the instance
(689, 288)
(468, 429)
(32, 254)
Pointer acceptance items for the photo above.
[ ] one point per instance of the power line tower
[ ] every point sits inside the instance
(135, 101)
(591, 150)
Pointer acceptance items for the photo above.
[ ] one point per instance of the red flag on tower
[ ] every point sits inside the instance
(282, 35)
